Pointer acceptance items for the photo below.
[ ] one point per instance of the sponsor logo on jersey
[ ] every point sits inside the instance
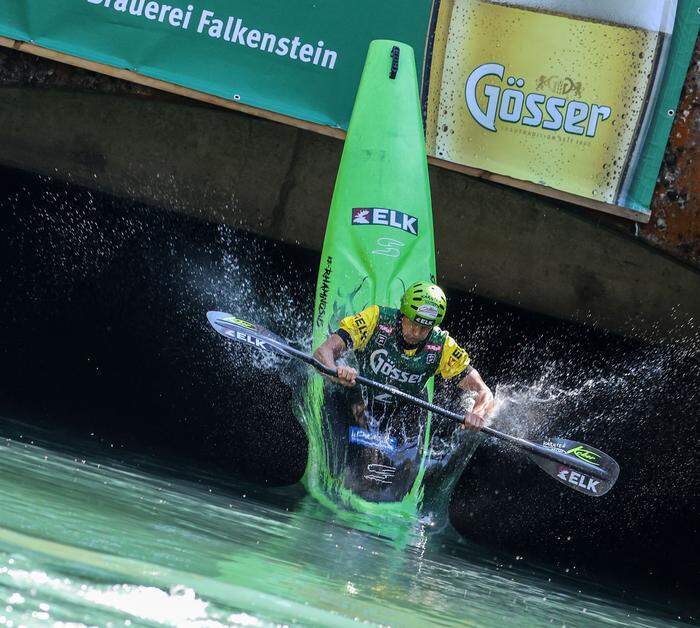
(457, 355)
(382, 366)
(382, 442)
(361, 326)
(430, 347)
(579, 479)
(387, 329)
(386, 218)
(381, 339)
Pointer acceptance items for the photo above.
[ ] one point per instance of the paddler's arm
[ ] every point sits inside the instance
(454, 363)
(483, 405)
(353, 333)
(329, 352)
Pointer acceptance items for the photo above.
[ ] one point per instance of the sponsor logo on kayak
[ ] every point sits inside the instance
(381, 366)
(323, 293)
(382, 442)
(380, 473)
(578, 479)
(386, 218)
(239, 321)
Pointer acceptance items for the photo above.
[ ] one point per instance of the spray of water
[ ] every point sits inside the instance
(595, 394)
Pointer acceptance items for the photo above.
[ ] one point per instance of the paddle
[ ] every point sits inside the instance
(580, 467)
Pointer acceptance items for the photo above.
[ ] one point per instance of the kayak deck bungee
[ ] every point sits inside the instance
(379, 240)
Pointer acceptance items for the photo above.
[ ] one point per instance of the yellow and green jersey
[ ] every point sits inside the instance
(374, 332)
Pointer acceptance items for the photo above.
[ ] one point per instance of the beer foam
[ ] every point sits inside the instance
(651, 15)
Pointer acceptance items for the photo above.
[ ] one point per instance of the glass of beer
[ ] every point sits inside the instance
(551, 91)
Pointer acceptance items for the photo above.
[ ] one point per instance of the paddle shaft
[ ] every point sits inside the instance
(533, 448)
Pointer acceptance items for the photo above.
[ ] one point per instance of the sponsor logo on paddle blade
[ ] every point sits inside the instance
(238, 321)
(580, 481)
(585, 454)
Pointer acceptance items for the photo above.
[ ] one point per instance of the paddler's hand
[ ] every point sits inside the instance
(346, 376)
(483, 404)
(474, 421)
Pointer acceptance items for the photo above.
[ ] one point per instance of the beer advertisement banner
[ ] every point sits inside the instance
(560, 93)
(576, 96)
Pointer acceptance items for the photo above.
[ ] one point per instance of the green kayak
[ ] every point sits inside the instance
(379, 240)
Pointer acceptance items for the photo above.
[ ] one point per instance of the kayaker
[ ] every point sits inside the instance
(405, 347)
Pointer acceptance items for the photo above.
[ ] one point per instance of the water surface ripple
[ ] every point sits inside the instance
(90, 539)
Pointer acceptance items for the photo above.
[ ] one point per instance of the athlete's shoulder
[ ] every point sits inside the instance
(439, 335)
(454, 358)
(360, 326)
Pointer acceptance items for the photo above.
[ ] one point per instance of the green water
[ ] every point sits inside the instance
(89, 539)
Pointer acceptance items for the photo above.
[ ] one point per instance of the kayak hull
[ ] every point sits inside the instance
(379, 239)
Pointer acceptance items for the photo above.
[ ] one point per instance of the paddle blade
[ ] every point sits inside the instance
(576, 479)
(240, 330)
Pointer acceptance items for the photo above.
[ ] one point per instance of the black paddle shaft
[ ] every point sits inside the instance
(239, 330)
(534, 448)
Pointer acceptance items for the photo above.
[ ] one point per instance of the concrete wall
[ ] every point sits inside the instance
(277, 181)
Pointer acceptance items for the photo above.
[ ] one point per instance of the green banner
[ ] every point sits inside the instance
(578, 97)
(301, 58)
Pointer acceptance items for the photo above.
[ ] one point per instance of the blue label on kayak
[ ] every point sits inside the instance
(382, 442)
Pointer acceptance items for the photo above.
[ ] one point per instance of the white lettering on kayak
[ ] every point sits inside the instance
(385, 218)
(380, 473)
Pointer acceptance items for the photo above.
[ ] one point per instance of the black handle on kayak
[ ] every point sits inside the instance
(395, 52)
